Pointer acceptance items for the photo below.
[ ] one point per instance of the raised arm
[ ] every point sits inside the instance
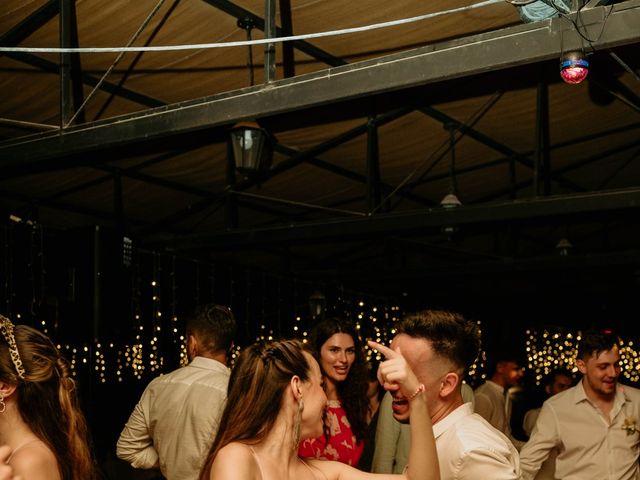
(423, 459)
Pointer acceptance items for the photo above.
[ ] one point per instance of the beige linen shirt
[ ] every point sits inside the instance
(174, 423)
(548, 468)
(589, 446)
(469, 448)
(490, 405)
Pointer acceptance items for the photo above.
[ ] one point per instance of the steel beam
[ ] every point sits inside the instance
(552, 206)
(501, 49)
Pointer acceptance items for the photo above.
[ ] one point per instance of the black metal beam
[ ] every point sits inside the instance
(538, 41)
(288, 58)
(552, 206)
(47, 66)
(351, 175)
(281, 167)
(29, 25)
(302, 45)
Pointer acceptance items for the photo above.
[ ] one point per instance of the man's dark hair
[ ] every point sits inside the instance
(594, 342)
(550, 378)
(214, 326)
(503, 355)
(451, 336)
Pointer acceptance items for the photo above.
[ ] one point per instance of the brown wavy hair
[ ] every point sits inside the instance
(257, 384)
(47, 401)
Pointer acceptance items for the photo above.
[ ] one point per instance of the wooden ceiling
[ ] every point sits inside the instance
(362, 123)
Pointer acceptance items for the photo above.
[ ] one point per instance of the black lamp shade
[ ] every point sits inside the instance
(317, 305)
(252, 148)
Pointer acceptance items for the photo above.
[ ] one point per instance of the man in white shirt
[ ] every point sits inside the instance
(392, 440)
(594, 426)
(173, 425)
(491, 401)
(439, 347)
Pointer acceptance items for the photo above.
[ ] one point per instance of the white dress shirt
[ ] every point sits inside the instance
(174, 423)
(469, 448)
(590, 446)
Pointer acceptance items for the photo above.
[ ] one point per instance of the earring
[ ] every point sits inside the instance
(298, 424)
(3, 406)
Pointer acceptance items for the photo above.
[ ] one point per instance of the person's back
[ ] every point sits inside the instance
(173, 425)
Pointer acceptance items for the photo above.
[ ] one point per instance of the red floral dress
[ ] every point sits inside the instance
(341, 445)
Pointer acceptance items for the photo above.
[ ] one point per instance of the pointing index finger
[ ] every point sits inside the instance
(386, 351)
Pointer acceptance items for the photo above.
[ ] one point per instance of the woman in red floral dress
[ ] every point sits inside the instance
(336, 346)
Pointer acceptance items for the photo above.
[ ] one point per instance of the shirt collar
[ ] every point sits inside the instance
(208, 363)
(496, 387)
(579, 395)
(443, 425)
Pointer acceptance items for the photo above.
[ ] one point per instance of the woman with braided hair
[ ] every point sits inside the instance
(40, 419)
(276, 399)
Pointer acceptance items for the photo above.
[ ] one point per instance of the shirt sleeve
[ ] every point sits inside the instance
(486, 464)
(543, 439)
(387, 433)
(135, 444)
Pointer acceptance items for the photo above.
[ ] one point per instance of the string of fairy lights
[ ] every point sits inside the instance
(546, 349)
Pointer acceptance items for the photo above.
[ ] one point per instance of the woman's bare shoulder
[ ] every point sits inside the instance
(236, 461)
(35, 461)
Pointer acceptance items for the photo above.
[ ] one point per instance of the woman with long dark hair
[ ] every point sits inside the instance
(336, 346)
(276, 399)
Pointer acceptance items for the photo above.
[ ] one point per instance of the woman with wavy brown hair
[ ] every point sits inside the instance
(40, 419)
(276, 399)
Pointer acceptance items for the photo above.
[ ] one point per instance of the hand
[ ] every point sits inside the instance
(394, 373)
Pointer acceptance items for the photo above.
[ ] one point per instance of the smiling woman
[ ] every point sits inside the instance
(336, 346)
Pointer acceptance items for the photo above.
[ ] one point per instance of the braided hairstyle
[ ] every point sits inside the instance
(47, 401)
(257, 385)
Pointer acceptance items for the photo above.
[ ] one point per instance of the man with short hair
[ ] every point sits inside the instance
(594, 425)
(173, 425)
(439, 346)
(491, 396)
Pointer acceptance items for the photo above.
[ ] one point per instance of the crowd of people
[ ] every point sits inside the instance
(289, 409)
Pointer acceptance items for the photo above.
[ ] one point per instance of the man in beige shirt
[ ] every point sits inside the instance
(555, 382)
(595, 426)
(490, 397)
(173, 425)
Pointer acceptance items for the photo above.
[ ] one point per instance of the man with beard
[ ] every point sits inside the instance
(439, 346)
(594, 426)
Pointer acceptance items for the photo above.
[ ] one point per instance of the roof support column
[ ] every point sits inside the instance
(231, 200)
(270, 48)
(542, 166)
(66, 105)
(373, 166)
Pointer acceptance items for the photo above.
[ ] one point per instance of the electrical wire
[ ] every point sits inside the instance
(168, 48)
